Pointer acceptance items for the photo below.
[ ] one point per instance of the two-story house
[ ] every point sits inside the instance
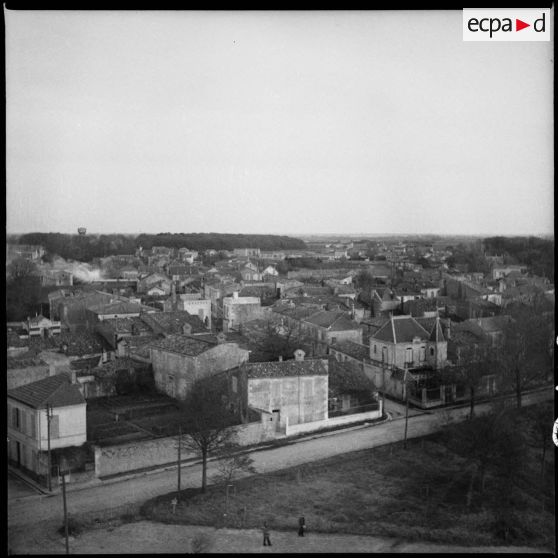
(179, 360)
(404, 354)
(289, 391)
(51, 411)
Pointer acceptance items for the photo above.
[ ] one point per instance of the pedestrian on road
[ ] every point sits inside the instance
(301, 526)
(265, 530)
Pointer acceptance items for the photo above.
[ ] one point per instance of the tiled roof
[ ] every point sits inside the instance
(139, 344)
(56, 390)
(297, 313)
(172, 322)
(81, 343)
(334, 321)
(120, 308)
(352, 349)
(124, 325)
(78, 343)
(85, 363)
(183, 344)
(24, 362)
(284, 368)
(400, 329)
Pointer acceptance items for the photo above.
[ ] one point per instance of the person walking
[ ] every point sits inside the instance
(301, 526)
(265, 530)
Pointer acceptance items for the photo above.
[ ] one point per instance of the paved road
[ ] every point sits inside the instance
(97, 499)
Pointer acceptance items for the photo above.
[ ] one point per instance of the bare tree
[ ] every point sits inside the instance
(282, 339)
(233, 464)
(206, 421)
(524, 358)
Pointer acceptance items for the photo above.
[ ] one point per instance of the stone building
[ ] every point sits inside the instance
(179, 360)
(238, 310)
(290, 391)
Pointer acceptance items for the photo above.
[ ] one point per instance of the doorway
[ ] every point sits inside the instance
(276, 417)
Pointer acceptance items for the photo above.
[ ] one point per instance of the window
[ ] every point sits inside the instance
(431, 351)
(422, 354)
(408, 355)
(334, 340)
(15, 418)
(55, 426)
(375, 349)
(32, 429)
(384, 354)
(234, 384)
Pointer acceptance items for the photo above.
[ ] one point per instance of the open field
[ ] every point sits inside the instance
(420, 493)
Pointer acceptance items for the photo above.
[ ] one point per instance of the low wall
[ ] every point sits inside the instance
(122, 458)
(133, 455)
(329, 422)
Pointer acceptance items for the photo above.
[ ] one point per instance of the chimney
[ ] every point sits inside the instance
(187, 329)
(280, 358)
(299, 355)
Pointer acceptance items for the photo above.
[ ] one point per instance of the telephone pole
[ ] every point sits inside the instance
(179, 460)
(65, 512)
(406, 409)
(49, 472)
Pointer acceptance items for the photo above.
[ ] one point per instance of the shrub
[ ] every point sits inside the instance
(75, 527)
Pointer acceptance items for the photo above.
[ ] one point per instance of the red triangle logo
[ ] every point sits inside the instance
(519, 25)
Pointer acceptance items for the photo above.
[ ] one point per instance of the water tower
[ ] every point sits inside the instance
(82, 231)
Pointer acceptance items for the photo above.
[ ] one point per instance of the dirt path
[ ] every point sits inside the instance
(157, 538)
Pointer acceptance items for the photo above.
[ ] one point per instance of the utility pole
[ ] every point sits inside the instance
(49, 472)
(383, 383)
(406, 410)
(179, 459)
(65, 512)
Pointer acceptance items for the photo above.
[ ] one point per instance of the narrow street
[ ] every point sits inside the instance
(30, 510)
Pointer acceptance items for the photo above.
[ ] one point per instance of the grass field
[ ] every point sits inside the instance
(418, 493)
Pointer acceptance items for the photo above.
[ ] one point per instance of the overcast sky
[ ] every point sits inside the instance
(274, 122)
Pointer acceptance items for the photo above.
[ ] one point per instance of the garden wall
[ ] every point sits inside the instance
(130, 456)
(329, 422)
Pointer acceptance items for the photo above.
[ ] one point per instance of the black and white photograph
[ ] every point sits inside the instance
(280, 281)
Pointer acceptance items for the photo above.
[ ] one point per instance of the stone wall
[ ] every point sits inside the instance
(131, 456)
(185, 369)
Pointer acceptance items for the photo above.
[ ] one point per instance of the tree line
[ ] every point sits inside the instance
(537, 253)
(85, 248)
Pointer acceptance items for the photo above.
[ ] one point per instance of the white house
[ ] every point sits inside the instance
(28, 431)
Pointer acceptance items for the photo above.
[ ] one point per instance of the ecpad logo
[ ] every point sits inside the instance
(506, 25)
